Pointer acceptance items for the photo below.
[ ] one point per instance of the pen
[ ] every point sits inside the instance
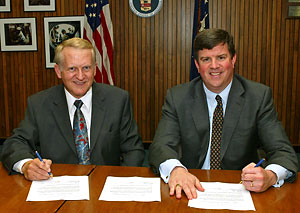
(36, 152)
(257, 165)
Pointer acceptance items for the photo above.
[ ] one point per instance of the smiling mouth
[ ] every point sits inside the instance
(79, 83)
(215, 73)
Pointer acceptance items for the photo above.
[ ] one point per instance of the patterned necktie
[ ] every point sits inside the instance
(81, 135)
(216, 135)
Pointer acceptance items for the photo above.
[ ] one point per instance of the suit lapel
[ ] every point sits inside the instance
(201, 119)
(61, 116)
(98, 115)
(234, 108)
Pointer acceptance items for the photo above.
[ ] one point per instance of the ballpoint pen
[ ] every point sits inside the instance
(260, 162)
(38, 155)
(257, 165)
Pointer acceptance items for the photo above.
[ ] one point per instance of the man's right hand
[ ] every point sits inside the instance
(181, 179)
(37, 170)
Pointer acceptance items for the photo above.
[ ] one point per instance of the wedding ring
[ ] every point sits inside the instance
(178, 185)
(251, 184)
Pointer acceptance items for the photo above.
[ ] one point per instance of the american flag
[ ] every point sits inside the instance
(201, 22)
(99, 31)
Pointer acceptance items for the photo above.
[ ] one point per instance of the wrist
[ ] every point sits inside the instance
(272, 177)
(25, 167)
(178, 169)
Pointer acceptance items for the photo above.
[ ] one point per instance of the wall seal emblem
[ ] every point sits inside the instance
(145, 8)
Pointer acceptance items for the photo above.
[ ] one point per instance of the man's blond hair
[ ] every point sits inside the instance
(77, 43)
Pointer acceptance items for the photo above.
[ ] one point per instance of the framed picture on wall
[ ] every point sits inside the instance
(39, 5)
(4, 5)
(18, 34)
(58, 29)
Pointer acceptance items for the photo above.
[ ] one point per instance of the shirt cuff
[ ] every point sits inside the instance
(167, 167)
(281, 173)
(18, 166)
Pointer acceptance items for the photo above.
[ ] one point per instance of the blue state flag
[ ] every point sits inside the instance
(201, 22)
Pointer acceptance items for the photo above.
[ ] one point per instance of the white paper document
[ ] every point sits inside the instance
(131, 189)
(60, 188)
(223, 196)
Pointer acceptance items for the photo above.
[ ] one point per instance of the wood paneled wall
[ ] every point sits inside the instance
(153, 54)
(268, 48)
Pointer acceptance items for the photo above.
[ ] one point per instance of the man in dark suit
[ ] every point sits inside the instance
(112, 133)
(184, 135)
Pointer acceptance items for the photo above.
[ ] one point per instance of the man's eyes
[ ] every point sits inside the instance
(222, 57)
(71, 69)
(205, 59)
(86, 68)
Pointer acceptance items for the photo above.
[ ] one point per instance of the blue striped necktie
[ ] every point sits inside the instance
(81, 135)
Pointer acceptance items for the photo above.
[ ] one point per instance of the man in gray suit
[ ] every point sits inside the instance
(183, 138)
(47, 126)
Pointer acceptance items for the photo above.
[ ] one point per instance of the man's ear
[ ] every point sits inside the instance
(196, 63)
(95, 69)
(233, 60)
(57, 71)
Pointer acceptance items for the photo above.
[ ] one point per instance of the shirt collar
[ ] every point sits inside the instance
(224, 94)
(86, 99)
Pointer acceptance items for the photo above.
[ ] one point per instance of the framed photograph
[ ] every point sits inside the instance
(58, 29)
(39, 5)
(4, 5)
(18, 34)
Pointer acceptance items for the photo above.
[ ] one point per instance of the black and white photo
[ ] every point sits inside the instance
(39, 5)
(18, 34)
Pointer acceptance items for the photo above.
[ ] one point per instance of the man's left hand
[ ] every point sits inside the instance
(257, 179)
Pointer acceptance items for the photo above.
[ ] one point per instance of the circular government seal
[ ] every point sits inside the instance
(145, 8)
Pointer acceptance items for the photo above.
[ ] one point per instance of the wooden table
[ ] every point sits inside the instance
(14, 190)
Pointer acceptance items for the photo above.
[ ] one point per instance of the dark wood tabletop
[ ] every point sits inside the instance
(14, 190)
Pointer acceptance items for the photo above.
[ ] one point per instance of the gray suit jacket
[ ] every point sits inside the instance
(250, 123)
(114, 138)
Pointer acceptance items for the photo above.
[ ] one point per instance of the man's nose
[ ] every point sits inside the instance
(80, 74)
(214, 64)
